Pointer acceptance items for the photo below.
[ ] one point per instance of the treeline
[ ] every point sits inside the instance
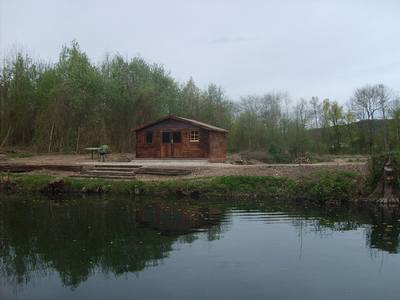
(74, 103)
(369, 122)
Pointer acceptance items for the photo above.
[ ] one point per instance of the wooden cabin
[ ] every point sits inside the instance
(176, 137)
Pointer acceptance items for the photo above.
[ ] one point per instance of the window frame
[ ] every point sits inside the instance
(176, 134)
(163, 141)
(150, 134)
(194, 136)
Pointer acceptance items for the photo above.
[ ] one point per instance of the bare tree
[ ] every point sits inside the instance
(315, 111)
(367, 101)
(385, 97)
(302, 113)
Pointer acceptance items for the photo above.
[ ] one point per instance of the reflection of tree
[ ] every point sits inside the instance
(381, 223)
(385, 229)
(79, 237)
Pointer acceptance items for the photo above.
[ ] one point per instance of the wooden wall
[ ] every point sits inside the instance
(144, 150)
(185, 149)
(218, 146)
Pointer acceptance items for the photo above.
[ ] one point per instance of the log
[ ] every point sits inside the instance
(163, 171)
(20, 168)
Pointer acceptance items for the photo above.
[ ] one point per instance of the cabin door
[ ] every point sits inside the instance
(177, 144)
(166, 144)
(171, 145)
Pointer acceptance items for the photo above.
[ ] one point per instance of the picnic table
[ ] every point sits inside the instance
(101, 151)
(92, 150)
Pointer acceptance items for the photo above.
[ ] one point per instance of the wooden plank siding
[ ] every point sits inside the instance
(218, 146)
(211, 144)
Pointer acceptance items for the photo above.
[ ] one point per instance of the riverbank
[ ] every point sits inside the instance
(321, 187)
(63, 165)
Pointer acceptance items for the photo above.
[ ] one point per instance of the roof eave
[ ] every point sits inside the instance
(181, 120)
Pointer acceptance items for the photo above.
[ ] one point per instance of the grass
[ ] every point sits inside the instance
(319, 187)
(330, 187)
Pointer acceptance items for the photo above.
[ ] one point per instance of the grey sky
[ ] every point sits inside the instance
(311, 47)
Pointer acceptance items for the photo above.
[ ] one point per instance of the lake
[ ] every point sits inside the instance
(122, 248)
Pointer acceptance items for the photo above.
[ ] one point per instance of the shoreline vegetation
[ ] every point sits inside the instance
(326, 186)
(321, 187)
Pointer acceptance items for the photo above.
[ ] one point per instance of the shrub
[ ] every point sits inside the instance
(329, 186)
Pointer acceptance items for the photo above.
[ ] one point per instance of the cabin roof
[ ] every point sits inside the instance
(184, 120)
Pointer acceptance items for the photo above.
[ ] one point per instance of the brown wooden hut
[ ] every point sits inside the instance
(176, 137)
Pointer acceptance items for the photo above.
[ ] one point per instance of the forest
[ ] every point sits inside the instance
(74, 103)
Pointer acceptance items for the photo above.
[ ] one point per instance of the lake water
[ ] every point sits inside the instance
(120, 248)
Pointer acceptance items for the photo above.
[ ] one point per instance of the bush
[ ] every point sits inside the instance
(320, 188)
(262, 156)
(329, 186)
(279, 155)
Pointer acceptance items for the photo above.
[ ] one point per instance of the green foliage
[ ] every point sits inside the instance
(320, 188)
(273, 186)
(279, 155)
(32, 183)
(329, 186)
(73, 103)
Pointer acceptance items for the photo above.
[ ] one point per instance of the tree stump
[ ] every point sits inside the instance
(387, 190)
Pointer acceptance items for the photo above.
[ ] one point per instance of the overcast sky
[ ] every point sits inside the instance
(305, 47)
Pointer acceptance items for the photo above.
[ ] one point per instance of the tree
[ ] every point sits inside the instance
(367, 102)
(384, 96)
(332, 115)
(315, 111)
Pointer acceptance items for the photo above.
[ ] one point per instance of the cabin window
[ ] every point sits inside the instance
(149, 137)
(194, 136)
(176, 136)
(165, 138)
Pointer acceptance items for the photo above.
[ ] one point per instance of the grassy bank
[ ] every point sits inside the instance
(318, 187)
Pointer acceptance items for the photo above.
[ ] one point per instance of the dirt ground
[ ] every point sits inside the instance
(63, 159)
(200, 168)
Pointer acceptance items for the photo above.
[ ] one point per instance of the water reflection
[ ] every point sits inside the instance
(173, 219)
(80, 237)
(384, 231)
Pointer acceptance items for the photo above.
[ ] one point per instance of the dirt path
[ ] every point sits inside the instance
(200, 168)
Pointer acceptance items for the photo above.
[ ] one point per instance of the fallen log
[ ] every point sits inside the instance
(163, 171)
(20, 168)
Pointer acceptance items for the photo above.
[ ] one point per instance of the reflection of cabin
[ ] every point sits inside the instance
(176, 137)
(179, 220)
